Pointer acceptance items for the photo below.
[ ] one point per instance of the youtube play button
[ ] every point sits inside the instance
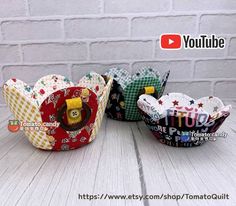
(170, 41)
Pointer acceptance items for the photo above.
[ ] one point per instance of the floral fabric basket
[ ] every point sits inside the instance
(178, 120)
(122, 103)
(69, 114)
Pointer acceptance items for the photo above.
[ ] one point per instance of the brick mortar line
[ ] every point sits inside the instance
(69, 69)
(213, 85)
(154, 45)
(98, 18)
(227, 45)
(33, 20)
(184, 59)
(21, 53)
(88, 48)
(118, 61)
(63, 31)
(130, 68)
(102, 6)
(171, 9)
(193, 69)
(203, 80)
(212, 88)
(64, 63)
(105, 39)
(138, 14)
(129, 27)
(1, 34)
(198, 24)
(27, 7)
(98, 39)
(113, 61)
(94, 40)
(106, 61)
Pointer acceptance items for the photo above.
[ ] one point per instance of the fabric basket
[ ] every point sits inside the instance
(57, 114)
(178, 120)
(122, 103)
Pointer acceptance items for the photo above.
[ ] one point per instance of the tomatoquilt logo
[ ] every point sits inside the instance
(186, 41)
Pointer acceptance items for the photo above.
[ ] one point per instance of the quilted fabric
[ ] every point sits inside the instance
(122, 103)
(101, 109)
(47, 85)
(175, 116)
(24, 110)
(66, 140)
(27, 105)
(93, 81)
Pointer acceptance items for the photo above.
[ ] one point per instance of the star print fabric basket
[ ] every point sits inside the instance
(122, 102)
(178, 120)
(69, 115)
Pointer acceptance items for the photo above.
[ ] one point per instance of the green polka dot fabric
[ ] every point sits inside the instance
(122, 104)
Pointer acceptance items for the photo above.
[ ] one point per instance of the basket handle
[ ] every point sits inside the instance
(150, 90)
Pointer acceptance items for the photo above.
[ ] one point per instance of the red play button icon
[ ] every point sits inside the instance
(170, 41)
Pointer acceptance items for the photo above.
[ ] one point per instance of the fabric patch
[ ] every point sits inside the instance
(49, 84)
(66, 140)
(122, 103)
(101, 109)
(122, 76)
(132, 93)
(21, 87)
(94, 82)
(116, 103)
(24, 110)
(175, 116)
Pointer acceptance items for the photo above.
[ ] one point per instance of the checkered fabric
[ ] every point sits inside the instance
(24, 110)
(131, 95)
(101, 109)
(120, 75)
(131, 85)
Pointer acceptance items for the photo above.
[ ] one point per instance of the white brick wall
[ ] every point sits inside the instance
(200, 5)
(121, 50)
(85, 28)
(63, 7)
(31, 30)
(12, 8)
(71, 37)
(218, 24)
(54, 52)
(154, 26)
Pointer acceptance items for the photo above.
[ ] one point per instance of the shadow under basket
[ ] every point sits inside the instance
(180, 121)
(57, 114)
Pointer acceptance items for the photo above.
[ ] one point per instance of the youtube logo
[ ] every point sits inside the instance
(203, 41)
(170, 41)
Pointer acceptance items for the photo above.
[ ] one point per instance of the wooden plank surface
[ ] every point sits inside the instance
(125, 159)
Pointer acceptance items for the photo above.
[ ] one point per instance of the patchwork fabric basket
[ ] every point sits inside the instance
(57, 114)
(126, 88)
(178, 120)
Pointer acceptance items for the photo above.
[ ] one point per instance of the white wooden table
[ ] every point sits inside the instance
(125, 159)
